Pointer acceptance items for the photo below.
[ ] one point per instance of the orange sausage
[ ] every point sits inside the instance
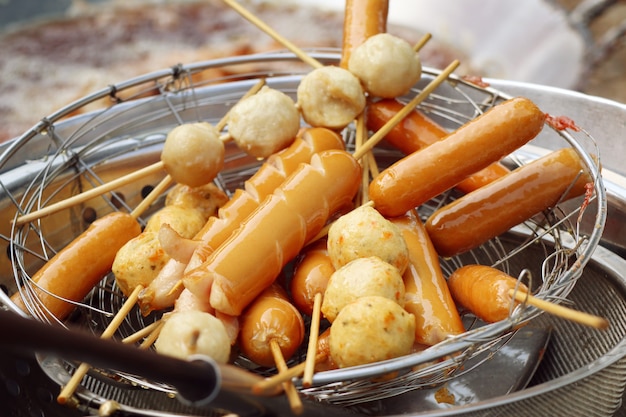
(362, 19)
(484, 291)
(311, 274)
(426, 173)
(270, 317)
(493, 209)
(427, 295)
(163, 290)
(80, 265)
(417, 131)
(251, 259)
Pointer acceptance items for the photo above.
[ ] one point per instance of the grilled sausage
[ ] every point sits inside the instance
(251, 259)
(493, 209)
(80, 265)
(426, 173)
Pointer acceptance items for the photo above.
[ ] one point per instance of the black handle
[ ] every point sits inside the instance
(197, 382)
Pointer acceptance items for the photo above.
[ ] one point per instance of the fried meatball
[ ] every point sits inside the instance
(190, 332)
(359, 278)
(371, 329)
(185, 221)
(138, 262)
(365, 232)
(386, 65)
(207, 198)
(193, 154)
(264, 123)
(330, 97)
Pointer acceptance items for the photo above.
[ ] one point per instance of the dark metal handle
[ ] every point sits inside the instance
(197, 382)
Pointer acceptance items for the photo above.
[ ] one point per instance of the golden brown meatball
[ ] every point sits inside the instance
(185, 221)
(371, 329)
(138, 262)
(359, 278)
(206, 198)
(365, 232)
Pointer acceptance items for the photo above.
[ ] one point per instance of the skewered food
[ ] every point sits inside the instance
(426, 173)
(495, 208)
(427, 297)
(251, 259)
(359, 278)
(386, 65)
(84, 261)
(330, 97)
(416, 131)
(189, 333)
(484, 291)
(193, 154)
(264, 123)
(355, 336)
(365, 232)
(270, 317)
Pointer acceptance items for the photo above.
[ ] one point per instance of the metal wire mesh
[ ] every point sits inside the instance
(56, 159)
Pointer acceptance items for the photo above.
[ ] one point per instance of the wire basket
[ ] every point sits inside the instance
(60, 157)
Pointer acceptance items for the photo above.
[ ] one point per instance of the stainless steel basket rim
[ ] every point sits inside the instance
(325, 57)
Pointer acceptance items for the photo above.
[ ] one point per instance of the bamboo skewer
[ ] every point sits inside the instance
(125, 180)
(560, 311)
(397, 118)
(290, 390)
(268, 384)
(272, 33)
(81, 371)
(309, 363)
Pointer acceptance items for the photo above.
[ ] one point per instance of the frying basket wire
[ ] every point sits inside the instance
(58, 158)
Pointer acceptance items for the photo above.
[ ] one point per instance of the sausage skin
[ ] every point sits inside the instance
(79, 266)
(251, 259)
(362, 19)
(427, 294)
(311, 274)
(163, 290)
(424, 174)
(417, 131)
(484, 291)
(270, 316)
(493, 209)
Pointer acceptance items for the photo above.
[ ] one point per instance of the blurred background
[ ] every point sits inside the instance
(56, 51)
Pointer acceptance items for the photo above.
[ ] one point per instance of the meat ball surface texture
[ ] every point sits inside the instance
(190, 333)
(193, 154)
(205, 198)
(138, 262)
(359, 278)
(264, 123)
(386, 65)
(185, 221)
(369, 330)
(364, 232)
(330, 97)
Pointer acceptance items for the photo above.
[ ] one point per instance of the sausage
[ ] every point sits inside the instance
(493, 209)
(424, 174)
(164, 290)
(484, 291)
(362, 19)
(427, 295)
(80, 265)
(417, 131)
(270, 316)
(251, 259)
(311, 274)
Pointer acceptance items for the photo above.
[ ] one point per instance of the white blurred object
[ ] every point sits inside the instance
(530, 40)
